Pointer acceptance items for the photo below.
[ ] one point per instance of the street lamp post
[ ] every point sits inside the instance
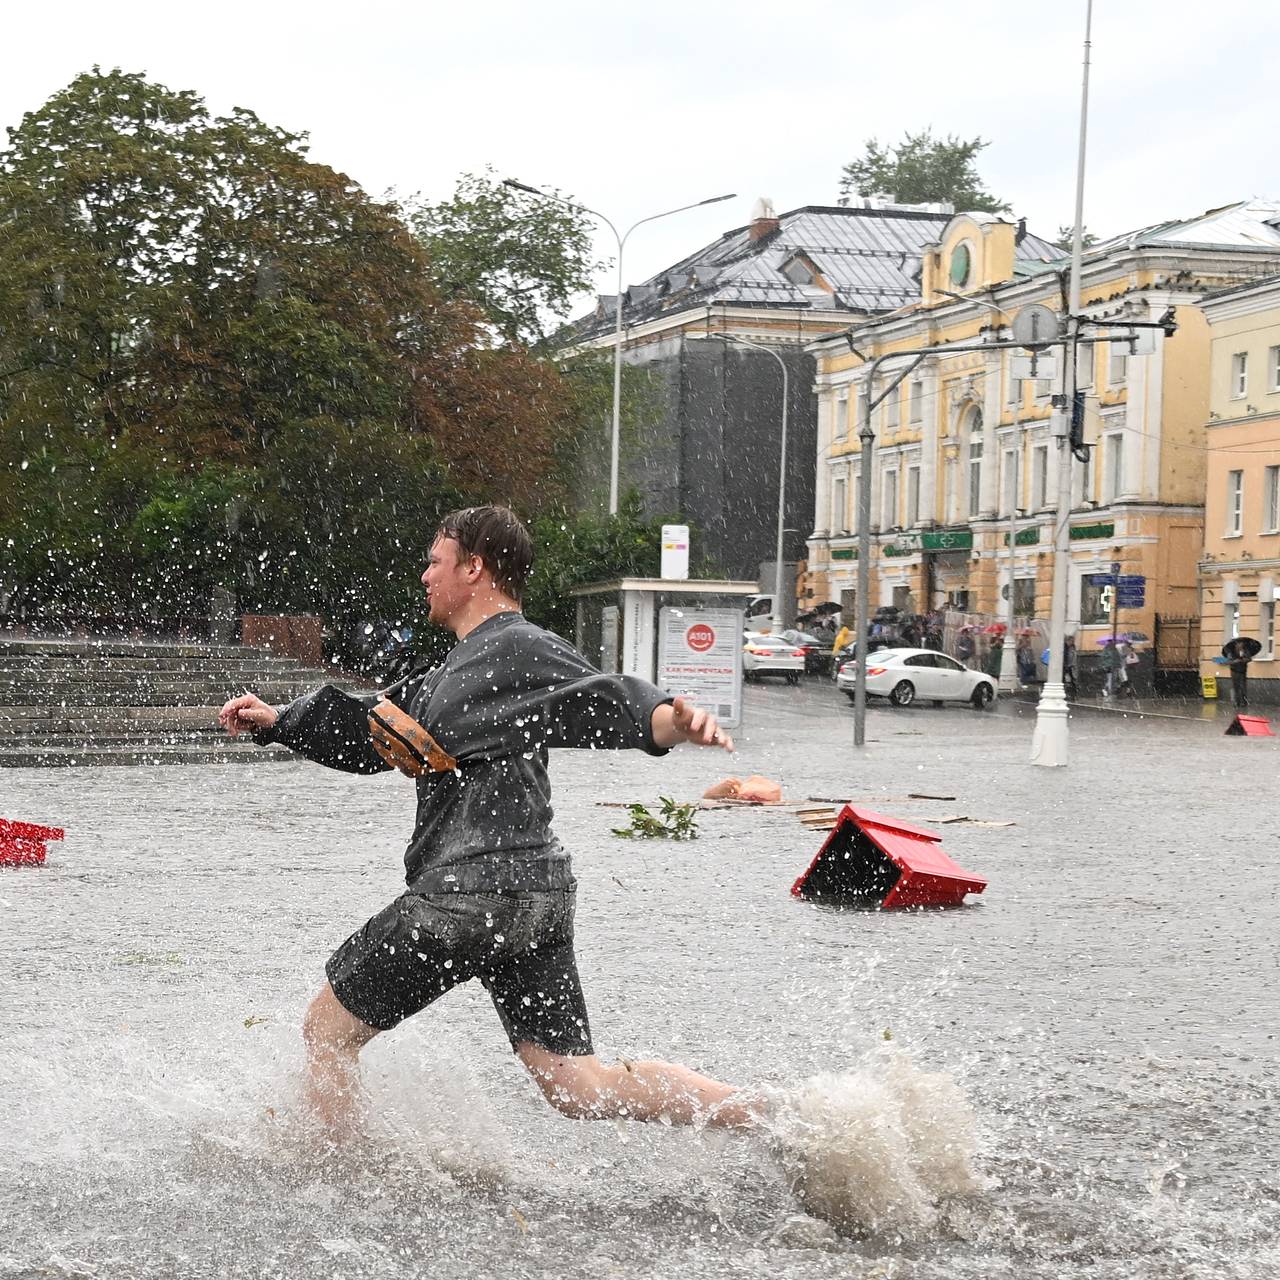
(1050, 742)
(782, 477)
(621, 238)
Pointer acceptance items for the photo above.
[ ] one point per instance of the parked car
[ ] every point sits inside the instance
(906, 676)
(817, 656)
(771, 655)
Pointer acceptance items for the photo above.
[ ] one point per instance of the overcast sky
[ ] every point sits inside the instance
(637, 109)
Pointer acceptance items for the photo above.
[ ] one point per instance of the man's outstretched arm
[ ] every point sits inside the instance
(680, 721)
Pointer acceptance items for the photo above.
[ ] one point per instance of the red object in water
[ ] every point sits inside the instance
(22, 844)
(1250, 727)
(876, 861)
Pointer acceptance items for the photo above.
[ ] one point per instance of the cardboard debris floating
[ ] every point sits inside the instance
(876, 861)
(22, 844)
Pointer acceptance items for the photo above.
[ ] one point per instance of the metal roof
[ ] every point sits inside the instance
(870, 257)
(1252, 223)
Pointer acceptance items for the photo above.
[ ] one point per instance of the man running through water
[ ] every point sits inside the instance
(490, 893)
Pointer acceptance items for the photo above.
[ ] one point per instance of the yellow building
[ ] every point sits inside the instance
(965, 449)
(1242, 491)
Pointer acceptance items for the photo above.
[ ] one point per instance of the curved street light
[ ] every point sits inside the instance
(621, 238)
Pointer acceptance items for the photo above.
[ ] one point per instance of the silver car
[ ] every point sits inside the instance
(907, 676)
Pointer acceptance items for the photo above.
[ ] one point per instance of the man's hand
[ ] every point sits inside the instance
(681, 721)
(246, 713)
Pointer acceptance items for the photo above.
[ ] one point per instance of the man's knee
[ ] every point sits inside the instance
(328, 1024)
(580, 1088)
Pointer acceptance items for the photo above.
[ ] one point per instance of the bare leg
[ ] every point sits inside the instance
(587, 1089)
(333, 1038)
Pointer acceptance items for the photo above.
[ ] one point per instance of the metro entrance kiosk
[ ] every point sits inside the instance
(617, 628)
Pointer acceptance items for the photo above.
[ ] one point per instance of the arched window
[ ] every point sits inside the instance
(975, 460)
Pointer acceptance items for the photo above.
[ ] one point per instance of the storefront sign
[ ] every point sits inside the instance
(1024, 537)
(947, 540)
(1106, 529)
(844, 553)
(700, 658)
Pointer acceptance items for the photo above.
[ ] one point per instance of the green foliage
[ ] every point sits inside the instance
(673, 821)
(1067, 234)
(922, 169)
(570, 550)
(583, 450)
(519, 259)
(222, 364)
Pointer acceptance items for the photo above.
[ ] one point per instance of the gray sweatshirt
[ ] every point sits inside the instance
(504, 695)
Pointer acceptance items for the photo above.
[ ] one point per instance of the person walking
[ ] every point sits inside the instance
(489, 890)
(1113, 666)
(1239, 652)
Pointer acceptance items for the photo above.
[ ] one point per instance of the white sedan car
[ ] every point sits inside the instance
(906, 676)
(771, 655)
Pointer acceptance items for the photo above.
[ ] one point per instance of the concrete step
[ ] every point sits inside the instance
(149, 694)
(81, 757)
(11, 667)
(124, 648)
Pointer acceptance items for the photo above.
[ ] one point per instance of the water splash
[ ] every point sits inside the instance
(877, 1150)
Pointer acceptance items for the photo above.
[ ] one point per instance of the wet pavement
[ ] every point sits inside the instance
(1109, 1007)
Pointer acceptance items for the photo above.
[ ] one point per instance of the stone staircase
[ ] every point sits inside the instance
(97, 702)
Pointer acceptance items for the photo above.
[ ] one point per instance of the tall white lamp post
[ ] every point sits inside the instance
(1050, 742)
(621, 238)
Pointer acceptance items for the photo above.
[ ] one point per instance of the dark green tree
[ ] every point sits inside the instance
(922, 169)
(221, 363)
(519, 259)
(1067, 234)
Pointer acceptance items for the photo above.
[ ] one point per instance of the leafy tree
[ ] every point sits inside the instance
(572, 549)
(922, 169)
(519, 259)
(197, 320)
(1067, 234)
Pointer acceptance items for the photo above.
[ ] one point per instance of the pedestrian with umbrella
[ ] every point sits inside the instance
(1239, 652)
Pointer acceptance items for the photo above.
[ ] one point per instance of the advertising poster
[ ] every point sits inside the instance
(700, 658)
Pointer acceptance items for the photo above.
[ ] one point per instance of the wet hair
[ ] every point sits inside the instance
(496, 535)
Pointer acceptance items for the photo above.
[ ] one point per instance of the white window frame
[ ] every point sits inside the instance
(891, 409)
(1230, 620)
(1267, 629)
(889, 499)
(915, 407)
(1039, 477)
(1008, 480)
(1015, 389)
(913, 495)
(1112, 466)
(842, 415)
(1271, 499)
(1274, 356)
(1117, 362)
(1235, 504)
(1239, 375)
(1085, 365)
(839, 505)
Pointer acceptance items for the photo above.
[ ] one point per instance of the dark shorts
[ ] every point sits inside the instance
(520, 945)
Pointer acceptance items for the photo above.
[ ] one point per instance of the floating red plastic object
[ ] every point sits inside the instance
(22, 844)
(876, 861)
(1250, 727)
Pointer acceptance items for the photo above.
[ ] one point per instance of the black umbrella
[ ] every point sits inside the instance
(1251, 648)
(821, 610)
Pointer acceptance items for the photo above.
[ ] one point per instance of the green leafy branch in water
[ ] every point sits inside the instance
(673, 821)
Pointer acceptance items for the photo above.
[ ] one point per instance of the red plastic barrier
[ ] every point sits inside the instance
(22, 844)
(1250, 727)
(884, 862)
